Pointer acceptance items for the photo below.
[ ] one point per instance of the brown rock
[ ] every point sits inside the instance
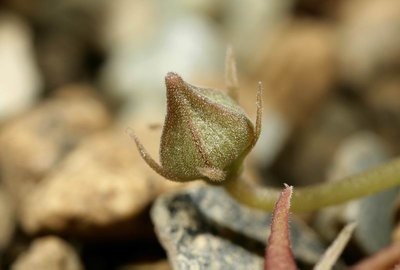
(320, 9)
(159, 265)
(48, 253)
(369, 40)
(36, 141)
(65, 37)
(308, 156)
(100, 186)
(383, 100)
(7, 220)
(298, 69)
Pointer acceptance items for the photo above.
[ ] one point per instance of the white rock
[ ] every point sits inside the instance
(274, 134)
(188, 44)
(20, 81)
(247, 21)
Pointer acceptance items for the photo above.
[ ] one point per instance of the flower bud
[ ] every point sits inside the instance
(206, 135)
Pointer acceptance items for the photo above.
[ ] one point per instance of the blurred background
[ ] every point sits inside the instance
(74, 74)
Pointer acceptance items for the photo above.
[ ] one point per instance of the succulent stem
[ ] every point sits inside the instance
(320, 195)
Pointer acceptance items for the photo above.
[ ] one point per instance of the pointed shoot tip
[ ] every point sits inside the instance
(173, 80)
(278, 255)
(259, 112)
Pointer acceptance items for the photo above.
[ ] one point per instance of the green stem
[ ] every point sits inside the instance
(320, 195)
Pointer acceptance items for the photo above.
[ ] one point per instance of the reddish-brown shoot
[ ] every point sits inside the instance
(278, 255)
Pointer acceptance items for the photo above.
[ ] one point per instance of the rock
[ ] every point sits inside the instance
(256, 18)
(326, 10)
(134, 71)
(204, 228)
(20, 81)
(66, 34)
(126, 20)
(100, 189)
(357, 153)
(159, 265)
(48, 253)
(288, 65)
(311, 150)
(7, 220)
(36, 141)
(63, 57)
(369, 41)
(383, 100)
(67, 48)
(273, 138)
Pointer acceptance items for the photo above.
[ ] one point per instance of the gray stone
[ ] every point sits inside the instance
(204, 228)
(357, 153)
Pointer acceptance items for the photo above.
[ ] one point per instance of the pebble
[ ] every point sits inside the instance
(288, 65)
(258, 20)
(135, 71)
(312, 148)
(7, 220)
(357, 153)
(20, 79)
(96, 191)
(204, 228)
(383, 100)
(32, 144)
(369, 41)
(158, 265)
(48, 253)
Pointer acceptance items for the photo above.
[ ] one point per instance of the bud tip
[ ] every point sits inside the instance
(172, 80)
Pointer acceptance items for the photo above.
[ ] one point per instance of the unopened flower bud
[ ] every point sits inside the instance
(206, 135)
